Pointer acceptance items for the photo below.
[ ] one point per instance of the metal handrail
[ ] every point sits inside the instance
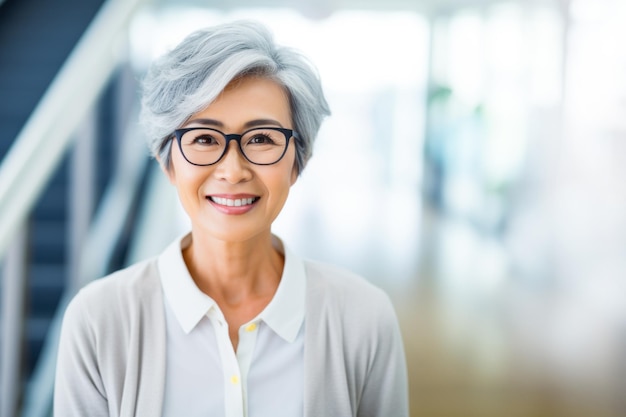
(31, 160)
(14, 265)
(40, 145)
(97, 251)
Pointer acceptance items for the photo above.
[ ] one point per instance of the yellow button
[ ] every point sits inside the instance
(234, 379)
(251, 327)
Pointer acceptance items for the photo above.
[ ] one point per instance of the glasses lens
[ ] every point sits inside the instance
(264, 146)
(202, 146)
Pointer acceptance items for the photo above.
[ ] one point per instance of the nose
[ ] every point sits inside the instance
(233, 167)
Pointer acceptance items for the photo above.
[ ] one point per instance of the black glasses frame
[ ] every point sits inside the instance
(289, 133)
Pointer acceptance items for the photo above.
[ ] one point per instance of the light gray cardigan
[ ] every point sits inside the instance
(112, 350)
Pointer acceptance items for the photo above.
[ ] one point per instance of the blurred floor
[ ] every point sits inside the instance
(481, 342)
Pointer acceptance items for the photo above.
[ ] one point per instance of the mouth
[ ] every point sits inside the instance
(236, 202)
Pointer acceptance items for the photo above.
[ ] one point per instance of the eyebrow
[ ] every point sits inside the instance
(248, 125)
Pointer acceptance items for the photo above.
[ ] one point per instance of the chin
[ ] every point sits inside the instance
(231, 234)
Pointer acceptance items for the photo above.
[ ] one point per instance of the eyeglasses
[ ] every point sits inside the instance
(261, 146)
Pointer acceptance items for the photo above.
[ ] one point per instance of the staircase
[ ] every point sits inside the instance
(36, 37)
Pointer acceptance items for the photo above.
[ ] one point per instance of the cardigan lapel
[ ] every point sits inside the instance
(326, 387)
(151, 353)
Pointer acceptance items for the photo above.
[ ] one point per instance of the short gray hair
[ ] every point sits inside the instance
(193, 74)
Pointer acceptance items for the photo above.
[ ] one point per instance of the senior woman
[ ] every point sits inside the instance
(227, 321)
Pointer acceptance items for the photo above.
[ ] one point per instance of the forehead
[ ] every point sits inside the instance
(247, 99)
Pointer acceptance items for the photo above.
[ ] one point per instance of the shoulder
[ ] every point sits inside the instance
(110, 328)
(128, 282)
(340, 283)
(349, 317)
(347, 294)
(114, 298)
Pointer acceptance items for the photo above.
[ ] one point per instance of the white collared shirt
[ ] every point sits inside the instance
(204, 375)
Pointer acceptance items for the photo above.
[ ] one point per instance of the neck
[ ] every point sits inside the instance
(234, 272)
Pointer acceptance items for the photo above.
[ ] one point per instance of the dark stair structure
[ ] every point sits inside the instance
(36, 37)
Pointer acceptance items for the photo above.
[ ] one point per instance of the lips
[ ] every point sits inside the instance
(233, 202)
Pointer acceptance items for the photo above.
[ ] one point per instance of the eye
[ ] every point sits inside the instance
(204, 140)
(261, 139)
(200, 138)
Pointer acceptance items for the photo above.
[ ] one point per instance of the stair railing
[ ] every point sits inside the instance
(31, 161)
(48, 132)
(98, 249)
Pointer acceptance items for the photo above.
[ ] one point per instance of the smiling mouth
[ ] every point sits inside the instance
(233, 202)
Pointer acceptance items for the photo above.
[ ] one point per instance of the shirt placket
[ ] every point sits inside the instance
(245, 349)
(235, 364)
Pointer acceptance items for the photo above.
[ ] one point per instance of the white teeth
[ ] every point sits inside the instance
(230, 203)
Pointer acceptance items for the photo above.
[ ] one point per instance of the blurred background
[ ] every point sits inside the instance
(472, 167)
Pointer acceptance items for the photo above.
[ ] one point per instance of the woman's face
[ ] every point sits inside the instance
(235, 200)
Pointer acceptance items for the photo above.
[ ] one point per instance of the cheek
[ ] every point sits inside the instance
(281, 185)
(184, 176)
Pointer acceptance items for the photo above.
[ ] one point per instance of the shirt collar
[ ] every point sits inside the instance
(188, 303)
(284, 314)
